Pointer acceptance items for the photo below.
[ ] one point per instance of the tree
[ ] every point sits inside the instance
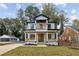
(51, 11)
(75, 24)
(19, 23)
(20, 14)
(31, 12)
(15, 30)
(63, 19)
(3, 29)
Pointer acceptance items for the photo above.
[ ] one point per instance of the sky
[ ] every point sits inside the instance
(10, 9)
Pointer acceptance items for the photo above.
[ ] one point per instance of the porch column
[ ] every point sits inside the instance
(46, 37)
(28, 35)
(35, 25)
(36, 38)
(25, 36)
(46, 26)
(56, 36)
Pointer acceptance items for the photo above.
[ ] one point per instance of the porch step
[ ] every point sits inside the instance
(36, 46)
(41, 45)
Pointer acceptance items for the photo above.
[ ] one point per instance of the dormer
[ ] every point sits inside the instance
(41, 22)
(41, 19)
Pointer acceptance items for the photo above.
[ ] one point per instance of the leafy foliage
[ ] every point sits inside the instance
(75, 24)
(51, 11)
(31, 12)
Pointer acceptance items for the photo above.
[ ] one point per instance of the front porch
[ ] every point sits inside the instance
(47, 38)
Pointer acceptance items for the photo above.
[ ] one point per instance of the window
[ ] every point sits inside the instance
(32, 36)
(51, 36)
(32, 26)
(52, 26)
(49, 26)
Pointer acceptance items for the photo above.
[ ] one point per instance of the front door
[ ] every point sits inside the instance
(41, 37)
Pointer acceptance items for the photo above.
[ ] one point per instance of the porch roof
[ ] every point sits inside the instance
(34, 31)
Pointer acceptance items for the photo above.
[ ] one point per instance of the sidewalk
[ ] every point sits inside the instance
(6, 48)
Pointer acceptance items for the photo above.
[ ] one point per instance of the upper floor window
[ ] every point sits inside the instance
(32, 26)
(51, 36)
(51, 26)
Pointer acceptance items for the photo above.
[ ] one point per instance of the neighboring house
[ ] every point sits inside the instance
(65, 38)
(8, 38)
(41, 30)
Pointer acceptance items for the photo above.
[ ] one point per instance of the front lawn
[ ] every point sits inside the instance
(47, 51)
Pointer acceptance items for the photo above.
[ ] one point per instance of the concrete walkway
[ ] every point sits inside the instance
(6, 48)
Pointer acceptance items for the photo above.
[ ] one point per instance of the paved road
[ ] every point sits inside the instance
(6, 48)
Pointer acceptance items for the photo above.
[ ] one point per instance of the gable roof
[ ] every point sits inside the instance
(69, 31)
(75, 28)
(42, 15)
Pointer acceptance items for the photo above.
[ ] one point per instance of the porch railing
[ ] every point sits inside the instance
(39, 26)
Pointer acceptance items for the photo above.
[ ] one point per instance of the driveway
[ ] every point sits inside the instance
(6, 48)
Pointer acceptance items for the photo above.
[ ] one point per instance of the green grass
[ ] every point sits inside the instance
(2, 44)
(48, 51)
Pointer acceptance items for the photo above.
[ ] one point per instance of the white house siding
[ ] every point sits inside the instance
(58, 26)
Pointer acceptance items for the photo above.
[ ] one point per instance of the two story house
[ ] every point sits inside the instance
(41, 30)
